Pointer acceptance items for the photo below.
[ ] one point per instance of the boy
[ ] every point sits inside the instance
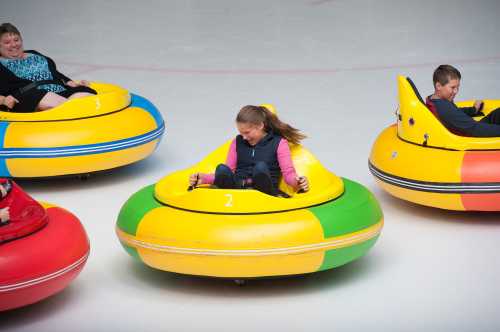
(459, 121)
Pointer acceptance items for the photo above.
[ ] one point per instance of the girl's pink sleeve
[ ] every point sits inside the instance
(208, 178)
(231, 161)
(232, 157)
(286, 163)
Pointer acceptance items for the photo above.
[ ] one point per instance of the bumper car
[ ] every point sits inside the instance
(111, 129)
(42, 249)
(417, 159)
(244, 233)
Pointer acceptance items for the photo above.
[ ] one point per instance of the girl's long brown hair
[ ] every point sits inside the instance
(259, 114)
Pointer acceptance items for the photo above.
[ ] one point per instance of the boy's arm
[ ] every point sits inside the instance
(453, 118)
(470, 111)
(474, 110)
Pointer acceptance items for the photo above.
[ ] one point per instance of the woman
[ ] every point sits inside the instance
(29, 81)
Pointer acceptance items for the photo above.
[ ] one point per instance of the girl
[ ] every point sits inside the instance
(258, 156)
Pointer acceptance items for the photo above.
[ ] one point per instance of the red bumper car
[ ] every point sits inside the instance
(42, 248)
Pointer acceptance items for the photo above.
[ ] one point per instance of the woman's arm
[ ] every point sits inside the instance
(5, 80)
(60, 76)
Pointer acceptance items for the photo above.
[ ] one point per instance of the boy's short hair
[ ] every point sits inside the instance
(444, 73)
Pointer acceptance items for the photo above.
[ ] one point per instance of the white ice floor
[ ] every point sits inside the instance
(330, 68)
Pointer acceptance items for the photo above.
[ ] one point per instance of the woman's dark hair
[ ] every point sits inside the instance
(8, 28)
(444, 73)
(260, 114)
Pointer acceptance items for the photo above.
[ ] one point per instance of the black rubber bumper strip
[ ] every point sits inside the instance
(436, 187)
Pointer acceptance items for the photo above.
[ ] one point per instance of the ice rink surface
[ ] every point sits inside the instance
(330, 69)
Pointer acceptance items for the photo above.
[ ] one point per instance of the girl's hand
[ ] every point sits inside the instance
(84, 83)
(195, 179)
(303, 183)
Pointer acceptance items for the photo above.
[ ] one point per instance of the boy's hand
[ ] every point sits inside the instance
(478, 105)
(303, 183)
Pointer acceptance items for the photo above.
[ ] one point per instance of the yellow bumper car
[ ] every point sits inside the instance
(419, 160)
(111, 129)
(235, 233)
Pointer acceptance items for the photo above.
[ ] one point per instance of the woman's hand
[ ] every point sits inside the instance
(303, 183)
(75, 84)
(72, 84)
(9, 101)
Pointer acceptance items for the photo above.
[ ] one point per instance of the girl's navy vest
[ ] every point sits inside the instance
(265, 150)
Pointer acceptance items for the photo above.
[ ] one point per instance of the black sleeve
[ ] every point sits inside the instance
(4, 85)
(9, 82)
(56, 73)
(470, 111)
(454, 118)
(62, 77)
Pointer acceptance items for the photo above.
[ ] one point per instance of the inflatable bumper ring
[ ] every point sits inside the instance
(419, 160)
(81, 136)
(42, 248)
(245, 233)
